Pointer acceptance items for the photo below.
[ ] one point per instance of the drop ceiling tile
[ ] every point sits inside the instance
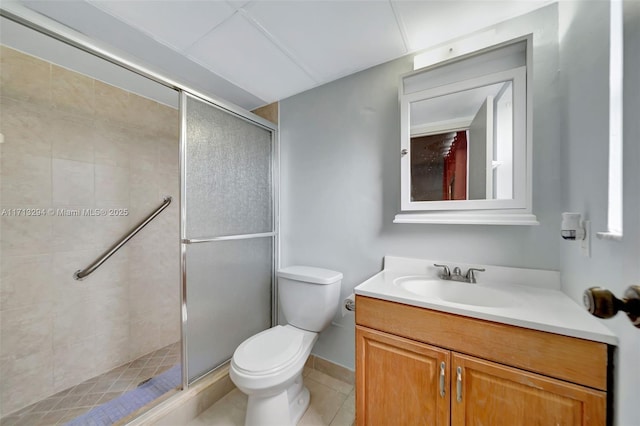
(240, 53)
(177, 24)
(429, 23)
(332, 38)
(238, 3)
(120, 38)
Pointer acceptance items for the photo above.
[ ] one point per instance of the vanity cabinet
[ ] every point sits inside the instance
(399, 381)
(416, 366)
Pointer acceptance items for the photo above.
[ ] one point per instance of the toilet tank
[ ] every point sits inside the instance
(309, 297)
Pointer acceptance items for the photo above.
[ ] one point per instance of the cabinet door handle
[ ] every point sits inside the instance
(459, 384)
(442, 367)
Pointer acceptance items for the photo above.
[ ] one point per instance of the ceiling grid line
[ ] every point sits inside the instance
(218, 25)
(253, 52)
(401, 27)
(287, 52)
(229, 79)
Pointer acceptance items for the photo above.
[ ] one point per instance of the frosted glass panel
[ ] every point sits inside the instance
(228, 298)
(228, 174)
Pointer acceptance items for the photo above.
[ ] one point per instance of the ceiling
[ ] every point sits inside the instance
(454, 107)
(252, 53)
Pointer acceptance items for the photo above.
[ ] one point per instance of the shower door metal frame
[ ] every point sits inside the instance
(184, 241)
(22, 15)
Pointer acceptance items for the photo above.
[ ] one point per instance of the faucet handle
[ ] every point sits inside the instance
(471, 276)
(446, 272)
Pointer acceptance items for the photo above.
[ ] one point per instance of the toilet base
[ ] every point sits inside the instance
(298, 406)
(283, 409)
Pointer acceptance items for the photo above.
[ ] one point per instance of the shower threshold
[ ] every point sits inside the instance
(114, 394)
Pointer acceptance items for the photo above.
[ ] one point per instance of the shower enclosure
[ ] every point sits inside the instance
(92, 145)
(229, 269)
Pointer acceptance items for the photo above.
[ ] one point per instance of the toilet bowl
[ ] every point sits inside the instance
(268, 366)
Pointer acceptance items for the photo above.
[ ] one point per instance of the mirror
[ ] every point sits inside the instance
(465, 144)
(461, 145)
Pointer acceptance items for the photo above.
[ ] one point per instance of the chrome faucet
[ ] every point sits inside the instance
(456, 275)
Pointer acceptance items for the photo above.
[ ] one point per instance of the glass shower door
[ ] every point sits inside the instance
(228, 232)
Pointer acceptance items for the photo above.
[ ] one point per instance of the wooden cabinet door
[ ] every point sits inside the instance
(493, 395)
(400, 381)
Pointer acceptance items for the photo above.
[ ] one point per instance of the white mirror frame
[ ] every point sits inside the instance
(518, 77)
(515, 211)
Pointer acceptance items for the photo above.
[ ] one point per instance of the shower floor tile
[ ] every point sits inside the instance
(70, 403)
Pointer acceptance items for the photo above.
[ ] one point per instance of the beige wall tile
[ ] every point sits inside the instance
(143, 114)
(26, 181)
(148, 240)
(111, 186)
(144, 189)
(73, 183)
(72, 138)
(74, 363)
(144, 151)
(168, 120)
(110, 229)
(111, 309)
(26, 129)
(169, 184)
(25, 330)
(139, 303)
(89, 150)
(24, 235)
(145, 333)
(24, 77)
(25, 380)
(114, 271)
(72, 92)
(112, 145)
(74, 232)
(25, 280)
(73, 322)
(168, 155)
(66, 288)
(111, 104)
(112, 348)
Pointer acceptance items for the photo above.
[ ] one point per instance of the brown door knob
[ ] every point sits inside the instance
(601, 303)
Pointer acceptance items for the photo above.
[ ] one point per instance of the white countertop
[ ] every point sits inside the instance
(538, 302)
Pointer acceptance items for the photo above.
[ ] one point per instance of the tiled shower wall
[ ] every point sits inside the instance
(73, 143)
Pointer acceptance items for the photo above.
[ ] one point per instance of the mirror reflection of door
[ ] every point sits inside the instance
(439, 166)
(462, 145)
(481, 152)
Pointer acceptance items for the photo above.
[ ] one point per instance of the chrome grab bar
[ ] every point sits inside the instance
(82, 273)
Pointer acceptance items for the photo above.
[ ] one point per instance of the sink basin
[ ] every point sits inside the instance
(456, 292)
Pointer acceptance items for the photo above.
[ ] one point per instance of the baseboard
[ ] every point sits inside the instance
(331, 369)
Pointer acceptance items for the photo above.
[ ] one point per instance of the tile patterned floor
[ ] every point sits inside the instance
(332, 404)
(70, 403)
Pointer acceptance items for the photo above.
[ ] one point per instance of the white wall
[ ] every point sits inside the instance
(615, 265)
(340, 159)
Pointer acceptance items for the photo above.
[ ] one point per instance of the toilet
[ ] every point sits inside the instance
(268, 366)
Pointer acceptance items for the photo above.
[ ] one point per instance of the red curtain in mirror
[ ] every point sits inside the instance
(454, 182)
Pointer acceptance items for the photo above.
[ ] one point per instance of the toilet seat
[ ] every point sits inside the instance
(269, 351)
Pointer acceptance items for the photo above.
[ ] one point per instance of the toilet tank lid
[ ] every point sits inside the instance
(310, 274)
